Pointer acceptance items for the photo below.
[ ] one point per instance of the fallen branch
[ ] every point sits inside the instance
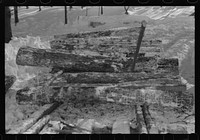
(34, 118)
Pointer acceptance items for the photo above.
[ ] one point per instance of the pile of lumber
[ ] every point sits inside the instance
(103, 75)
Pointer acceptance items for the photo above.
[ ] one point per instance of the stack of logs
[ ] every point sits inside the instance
(103, 75)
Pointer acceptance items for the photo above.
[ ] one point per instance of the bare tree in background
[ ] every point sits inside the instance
(65, 14)
(40, 8)
(70, 7)
(101, 10)
(16, 15)
(26, 7)
(8, 31)
(126, 9)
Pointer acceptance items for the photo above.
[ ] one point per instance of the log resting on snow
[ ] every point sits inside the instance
(78, 63)
(9, 81)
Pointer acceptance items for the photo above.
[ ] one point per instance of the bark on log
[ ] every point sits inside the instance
(34, 118)
(112, 32)
(105, 78)
(151, 128)
(102, 42)
(140, 120)
(124, 93)
(77, 63)
(9, 81)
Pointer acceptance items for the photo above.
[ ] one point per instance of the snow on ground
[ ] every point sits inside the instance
(175, 28)
(172, 26)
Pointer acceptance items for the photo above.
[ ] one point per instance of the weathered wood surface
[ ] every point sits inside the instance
(104, 33)
(78, 63)
(141, 127)
(37, 127)
(9, 81)
(150, 125)
(34, 118)
(125, 93)
(105, 78)
(101, 43)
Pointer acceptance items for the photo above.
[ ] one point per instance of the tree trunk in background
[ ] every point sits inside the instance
(8, 31)
(126, 9)
(65, 14)
(40, 8)
(26, 7)
(70, 7)
(101, 10)
(16, 15)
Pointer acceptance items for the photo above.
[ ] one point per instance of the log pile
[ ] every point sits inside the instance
(105, 75)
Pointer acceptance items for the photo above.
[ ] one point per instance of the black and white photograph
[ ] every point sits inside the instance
(99, 69)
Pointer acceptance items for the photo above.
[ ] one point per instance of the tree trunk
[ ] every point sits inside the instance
(66, 15)
(8, 31)
(40, 8)
(125, 93)
(101, 10)
(16, 14)
(105, 43)
(70, 7)
(114, 78)
(117, 32)
(77, 63)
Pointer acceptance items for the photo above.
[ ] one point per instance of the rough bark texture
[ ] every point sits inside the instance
(9, 81)
(105, 33)
(101, 43)
(105, 78)
(78, 63)
(8, 31)
(124, 93)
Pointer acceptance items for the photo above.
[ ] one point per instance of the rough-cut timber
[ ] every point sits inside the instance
(9, 81)
(105, 78)
(78, 63)
(70, 62)
(125, 93)
(101, 42)
(112, 32)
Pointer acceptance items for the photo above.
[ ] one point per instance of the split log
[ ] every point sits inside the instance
(112, 32)
(34, 118)
(77, 63)
(9, 81)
